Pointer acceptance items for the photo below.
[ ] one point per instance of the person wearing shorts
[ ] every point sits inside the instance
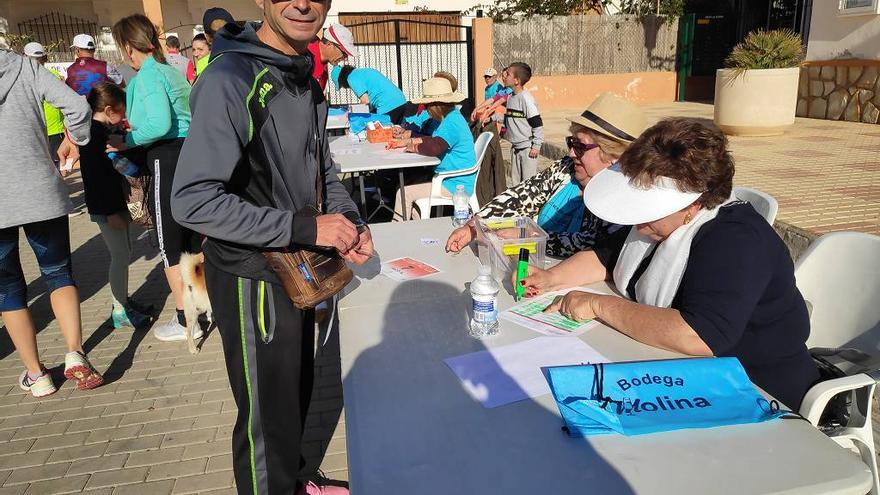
(34, 198)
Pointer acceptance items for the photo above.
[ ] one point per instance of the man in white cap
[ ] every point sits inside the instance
(54, 119)
(87, 71)
(492, 84)
(335, 46)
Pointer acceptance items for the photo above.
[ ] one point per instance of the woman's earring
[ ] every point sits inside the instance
(687, 218)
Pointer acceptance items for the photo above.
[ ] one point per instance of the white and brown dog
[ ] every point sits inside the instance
(195, 295)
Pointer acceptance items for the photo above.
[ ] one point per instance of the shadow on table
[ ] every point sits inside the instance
(412, 427)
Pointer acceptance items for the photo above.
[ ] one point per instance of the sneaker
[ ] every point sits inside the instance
(174, 331)
(77, 367)
(313, 489)
(129, 317)
(40, 387)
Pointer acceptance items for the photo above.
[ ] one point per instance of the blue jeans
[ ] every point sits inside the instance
(50, 241)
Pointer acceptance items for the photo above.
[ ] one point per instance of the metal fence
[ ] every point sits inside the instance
(57, 27)
(407, 63)
(587, 44)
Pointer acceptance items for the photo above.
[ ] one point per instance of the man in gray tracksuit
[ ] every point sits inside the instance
(246, 180)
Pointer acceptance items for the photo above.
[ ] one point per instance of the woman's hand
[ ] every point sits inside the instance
(538, 281)
(116, 143)
(398, 143)
(68, 154)
(398, 132)
(459, 238)
(576, 305)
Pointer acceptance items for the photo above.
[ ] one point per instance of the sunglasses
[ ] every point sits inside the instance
(488, 77)
(578, 147)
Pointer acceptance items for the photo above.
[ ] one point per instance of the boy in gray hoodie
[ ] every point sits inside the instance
(33, 197)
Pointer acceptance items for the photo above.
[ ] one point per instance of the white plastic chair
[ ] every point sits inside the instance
(839, 276)
(762, 202)
(425, 205)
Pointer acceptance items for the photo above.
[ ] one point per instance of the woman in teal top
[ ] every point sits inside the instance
(157, 108)
(373, 88)
(452, 142)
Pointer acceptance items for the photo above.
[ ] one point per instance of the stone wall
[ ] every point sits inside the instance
(840, 90)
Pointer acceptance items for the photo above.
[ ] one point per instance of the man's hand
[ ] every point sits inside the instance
(116, 143)
(459, 238)
(538, 281)
(336, 231)
(363, 250)
(533, 153)
(68, 153)
(576, 305)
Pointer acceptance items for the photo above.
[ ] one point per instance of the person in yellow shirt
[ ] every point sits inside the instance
(54, 119)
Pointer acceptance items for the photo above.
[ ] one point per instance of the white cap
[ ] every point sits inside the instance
(612, 196)
(34, 50)
(84, 41)
(490, 72)
(341, 37)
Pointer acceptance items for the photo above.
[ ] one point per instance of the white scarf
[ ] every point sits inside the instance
(659, 283)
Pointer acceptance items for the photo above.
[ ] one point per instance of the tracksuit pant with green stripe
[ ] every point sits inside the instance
(269, 345)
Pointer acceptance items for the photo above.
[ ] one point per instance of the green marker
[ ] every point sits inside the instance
(522, 271)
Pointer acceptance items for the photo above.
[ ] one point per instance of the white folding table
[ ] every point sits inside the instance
(411, 428)
(360, 157)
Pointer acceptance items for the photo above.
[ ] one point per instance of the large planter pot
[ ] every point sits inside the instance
(759, 102)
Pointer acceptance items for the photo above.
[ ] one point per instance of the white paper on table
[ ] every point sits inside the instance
(511, 373)
(552, 324)
(403, 269)
(347, 151)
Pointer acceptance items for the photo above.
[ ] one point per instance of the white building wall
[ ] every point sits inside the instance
(836, 36)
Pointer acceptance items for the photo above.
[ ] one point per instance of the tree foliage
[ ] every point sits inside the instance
(506, 10)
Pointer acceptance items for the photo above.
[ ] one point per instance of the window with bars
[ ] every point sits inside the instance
(858, 7)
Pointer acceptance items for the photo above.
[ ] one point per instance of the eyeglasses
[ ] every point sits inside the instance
(578, 147)
(488, 77)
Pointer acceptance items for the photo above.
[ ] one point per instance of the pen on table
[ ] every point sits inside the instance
(522, 271)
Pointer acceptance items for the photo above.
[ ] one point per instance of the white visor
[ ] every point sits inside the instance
(612, 197)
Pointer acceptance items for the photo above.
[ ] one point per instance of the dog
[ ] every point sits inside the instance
(195, 295)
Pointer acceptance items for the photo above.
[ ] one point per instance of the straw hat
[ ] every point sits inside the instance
(438, 90)
(614, 117)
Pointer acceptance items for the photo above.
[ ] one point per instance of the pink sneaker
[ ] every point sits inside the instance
(313, 489)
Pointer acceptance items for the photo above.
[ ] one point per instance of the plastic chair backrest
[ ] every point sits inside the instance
(480, 147)
(762, 202)
(839, 276)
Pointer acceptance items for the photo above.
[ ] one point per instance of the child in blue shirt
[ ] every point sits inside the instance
(452, 142)
(373, 88)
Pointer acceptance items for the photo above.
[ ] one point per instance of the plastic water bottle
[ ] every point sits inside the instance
(484, 292)
(461, 210)
(123, 165)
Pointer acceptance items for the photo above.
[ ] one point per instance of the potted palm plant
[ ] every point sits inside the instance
(756, 95)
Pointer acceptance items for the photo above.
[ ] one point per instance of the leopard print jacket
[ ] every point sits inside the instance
(527, 198)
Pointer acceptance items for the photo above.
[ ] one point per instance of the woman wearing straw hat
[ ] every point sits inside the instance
(702, 273)
(451, 141)
(553, 198)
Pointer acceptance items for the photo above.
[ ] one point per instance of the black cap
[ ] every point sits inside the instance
(212, 15)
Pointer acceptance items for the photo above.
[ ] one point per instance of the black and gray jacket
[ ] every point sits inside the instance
(529, 196)
(246, 178)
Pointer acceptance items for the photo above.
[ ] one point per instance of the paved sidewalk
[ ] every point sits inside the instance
(825, 174)
(163, 421)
